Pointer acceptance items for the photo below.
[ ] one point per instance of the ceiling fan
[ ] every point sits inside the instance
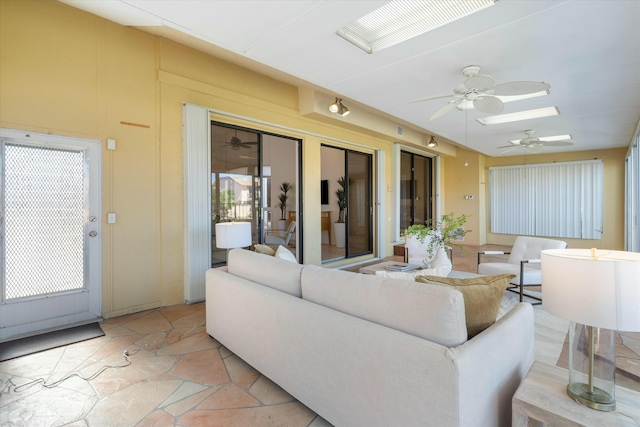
(535, 144)
(236, 143)
(479, 90)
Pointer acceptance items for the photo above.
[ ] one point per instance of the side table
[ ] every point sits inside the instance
(542, 399)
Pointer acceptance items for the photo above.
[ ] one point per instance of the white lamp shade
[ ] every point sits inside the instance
(601, 291)
(233, 234)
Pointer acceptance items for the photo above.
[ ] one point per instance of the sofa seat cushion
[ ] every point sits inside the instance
(433, 313)
(482, 297)
(266, 270)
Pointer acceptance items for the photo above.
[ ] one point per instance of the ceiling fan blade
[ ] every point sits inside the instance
(244, 145)
(509, 149)
(557, 143)
(481, 82)
(519, 88)
(488, 104)
(508, 146)
(432, 98)
(444, 110)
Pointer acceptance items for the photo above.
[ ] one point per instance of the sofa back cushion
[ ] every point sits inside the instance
(266, 270)
(432, 312)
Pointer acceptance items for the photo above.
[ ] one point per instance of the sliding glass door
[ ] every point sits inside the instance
(348, 175)
(416, 189)
(234, 180)
(248, 169)
(360, 209)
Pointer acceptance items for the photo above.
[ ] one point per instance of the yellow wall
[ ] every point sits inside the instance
(461, 181)
(67, 72)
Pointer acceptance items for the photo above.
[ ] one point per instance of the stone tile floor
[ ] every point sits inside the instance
(179, 376)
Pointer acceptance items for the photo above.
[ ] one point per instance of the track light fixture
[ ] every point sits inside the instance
(339, 108)
(432, 143)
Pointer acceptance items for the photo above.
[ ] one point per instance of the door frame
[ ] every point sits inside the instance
(87, 302)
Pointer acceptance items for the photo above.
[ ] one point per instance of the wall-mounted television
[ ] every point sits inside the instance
(324, 192)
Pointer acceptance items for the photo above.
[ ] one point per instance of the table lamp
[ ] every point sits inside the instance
(231, 235)
(599, 292)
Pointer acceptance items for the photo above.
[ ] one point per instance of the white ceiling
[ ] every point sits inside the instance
(587, 50)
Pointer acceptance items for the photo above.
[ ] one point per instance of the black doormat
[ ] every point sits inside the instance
(36, 343)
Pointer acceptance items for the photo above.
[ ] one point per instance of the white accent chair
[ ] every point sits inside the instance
(523, 261)
(277, 240)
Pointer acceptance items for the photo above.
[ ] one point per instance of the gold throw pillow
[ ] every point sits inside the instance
(482, 297)
(264, 249)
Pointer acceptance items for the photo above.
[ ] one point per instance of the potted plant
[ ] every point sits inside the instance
(432, 239)
(341, 201)
(283, 198)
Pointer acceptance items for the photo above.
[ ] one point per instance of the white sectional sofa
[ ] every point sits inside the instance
(362, 350)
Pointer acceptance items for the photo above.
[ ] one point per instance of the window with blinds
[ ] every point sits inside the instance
(551, 199)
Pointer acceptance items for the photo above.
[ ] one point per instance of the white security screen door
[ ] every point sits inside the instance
(50, 232)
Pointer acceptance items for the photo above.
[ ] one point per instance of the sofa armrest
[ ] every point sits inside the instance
(492, 364)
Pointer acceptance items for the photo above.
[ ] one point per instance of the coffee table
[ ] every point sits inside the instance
(371, 269)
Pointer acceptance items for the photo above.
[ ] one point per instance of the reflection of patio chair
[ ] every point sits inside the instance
(277, 240)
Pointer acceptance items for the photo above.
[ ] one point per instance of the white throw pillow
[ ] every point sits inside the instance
(285, 254)
(411, 275)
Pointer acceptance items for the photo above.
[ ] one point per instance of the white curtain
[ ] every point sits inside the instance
(197, 190)
(552, 199)
(632, 197)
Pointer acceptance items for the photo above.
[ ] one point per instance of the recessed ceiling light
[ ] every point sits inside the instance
(547, 138)
(521, 115)
(469, 104)
(398, 21)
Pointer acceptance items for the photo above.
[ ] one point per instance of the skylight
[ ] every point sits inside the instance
(521, 115)
(398, 21)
